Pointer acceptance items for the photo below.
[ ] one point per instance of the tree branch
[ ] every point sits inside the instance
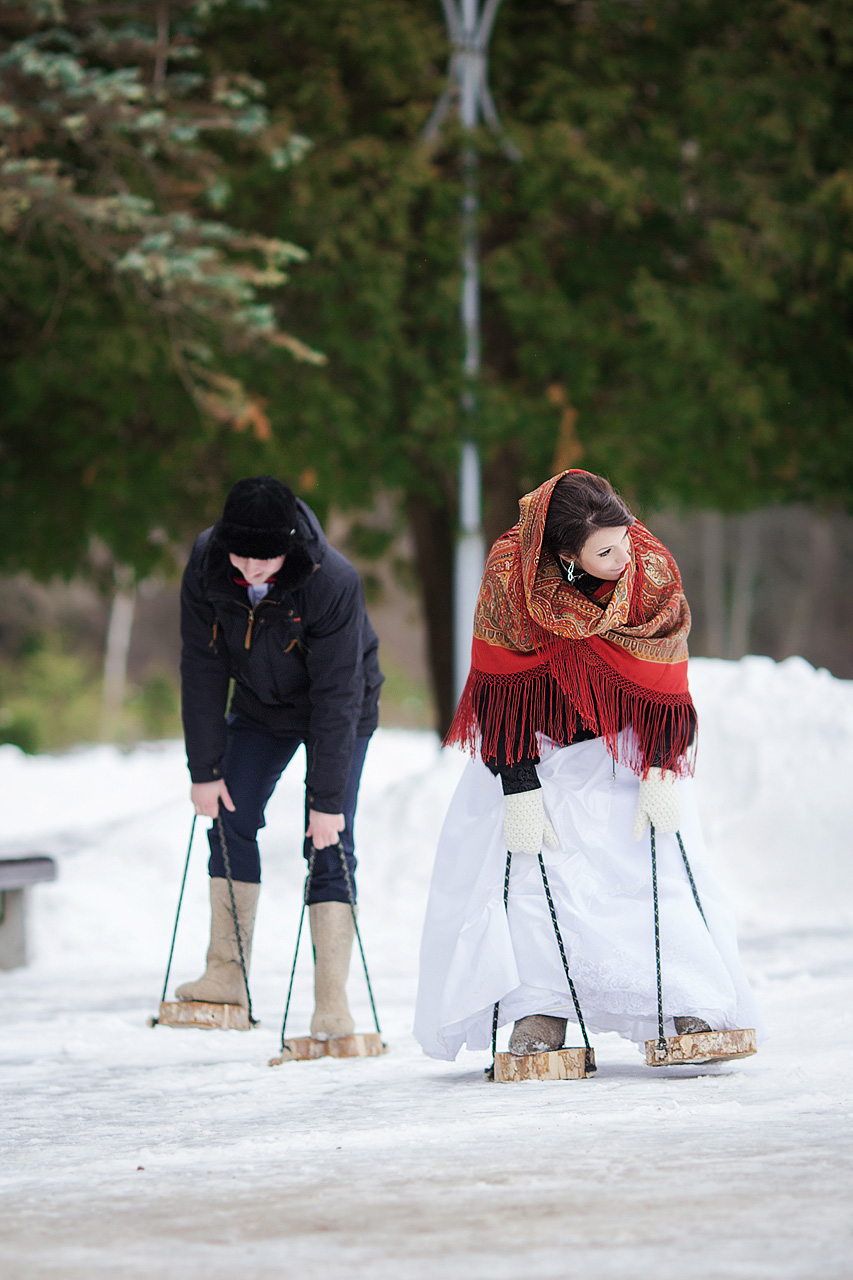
(162, 55)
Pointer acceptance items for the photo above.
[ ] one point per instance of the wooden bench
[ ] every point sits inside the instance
(16, 876)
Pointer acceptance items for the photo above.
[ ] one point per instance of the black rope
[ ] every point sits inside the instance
(311, 858)
(590, 1064)
(227, 861)
(351, 896)
(154, 1021)
(690, 878)
(662, 1046)
(490, 1071)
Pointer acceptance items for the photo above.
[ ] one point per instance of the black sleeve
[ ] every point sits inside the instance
(516, 778)
(204, 679)
(334, 659)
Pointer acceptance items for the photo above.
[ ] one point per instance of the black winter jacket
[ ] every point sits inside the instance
(304, 660)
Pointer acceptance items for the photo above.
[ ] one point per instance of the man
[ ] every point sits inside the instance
(267, 603)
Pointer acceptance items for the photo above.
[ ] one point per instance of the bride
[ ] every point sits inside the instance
(582, 733)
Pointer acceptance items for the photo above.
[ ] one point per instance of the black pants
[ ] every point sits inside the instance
(253, 763)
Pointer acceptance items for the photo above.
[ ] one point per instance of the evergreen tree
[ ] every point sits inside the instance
(123, 297)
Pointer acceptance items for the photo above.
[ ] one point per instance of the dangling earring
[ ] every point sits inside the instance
(570, 570)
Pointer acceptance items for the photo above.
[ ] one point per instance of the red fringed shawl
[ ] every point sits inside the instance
(621, 665)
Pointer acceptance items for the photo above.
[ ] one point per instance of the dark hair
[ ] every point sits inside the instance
(580, 504)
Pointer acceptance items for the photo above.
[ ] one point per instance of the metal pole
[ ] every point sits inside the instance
(469, 560)
(469, 28)
(470, 548)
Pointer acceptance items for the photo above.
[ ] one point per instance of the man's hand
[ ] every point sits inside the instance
(206, 796)
(324, 828)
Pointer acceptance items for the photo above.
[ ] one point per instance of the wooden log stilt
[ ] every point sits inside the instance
(368, 1045)
(701, 1047)
(198, 1013)
(300, 1049)
(306, 1049)
(560, 1064)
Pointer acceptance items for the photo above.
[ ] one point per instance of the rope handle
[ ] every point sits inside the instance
(588, 1057)
(351, 897)
(490, 1071)
(693, 888)
(154, 1021)
(227, 861)
(661, 1051)
(590, 1067)
(298, 940)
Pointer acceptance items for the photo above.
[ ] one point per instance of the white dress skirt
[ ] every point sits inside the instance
(475, 953)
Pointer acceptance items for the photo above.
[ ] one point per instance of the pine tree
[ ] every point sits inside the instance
(125, 301)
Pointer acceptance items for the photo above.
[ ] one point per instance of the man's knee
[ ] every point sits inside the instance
(244, 860)
(246, 820)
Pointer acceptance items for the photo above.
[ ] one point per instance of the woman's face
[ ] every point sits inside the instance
(606, 553)
(256, 570)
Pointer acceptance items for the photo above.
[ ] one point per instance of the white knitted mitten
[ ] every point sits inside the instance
(526, 825)
(658, 803)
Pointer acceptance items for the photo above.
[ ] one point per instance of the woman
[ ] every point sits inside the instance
(578, 712)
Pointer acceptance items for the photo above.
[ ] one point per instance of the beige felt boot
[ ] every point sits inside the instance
(222, 981)
(332, 932)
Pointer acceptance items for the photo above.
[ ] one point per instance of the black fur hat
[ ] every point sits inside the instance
(259, 519)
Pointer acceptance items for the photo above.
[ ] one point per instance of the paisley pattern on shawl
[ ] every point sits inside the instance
(618, 662)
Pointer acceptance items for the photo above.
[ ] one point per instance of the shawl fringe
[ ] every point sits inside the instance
(504, 713)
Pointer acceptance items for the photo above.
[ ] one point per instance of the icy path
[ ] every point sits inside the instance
(130, 1152)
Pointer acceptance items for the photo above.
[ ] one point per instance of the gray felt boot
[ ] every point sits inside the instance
(332, 932)
(538, 1033)
(688, 1026)
(222, 981)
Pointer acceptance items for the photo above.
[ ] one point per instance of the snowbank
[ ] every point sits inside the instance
(775, 777)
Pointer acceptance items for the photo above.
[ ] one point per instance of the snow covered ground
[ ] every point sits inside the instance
(132, 1152)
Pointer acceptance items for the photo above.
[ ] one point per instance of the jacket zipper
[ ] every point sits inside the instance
(248, 640)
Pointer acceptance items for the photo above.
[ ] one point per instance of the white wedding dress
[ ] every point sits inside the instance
(475, 953)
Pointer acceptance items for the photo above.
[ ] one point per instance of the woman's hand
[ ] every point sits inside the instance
(526, 824)
(324, 829)
(206, 796)
(658, 803)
